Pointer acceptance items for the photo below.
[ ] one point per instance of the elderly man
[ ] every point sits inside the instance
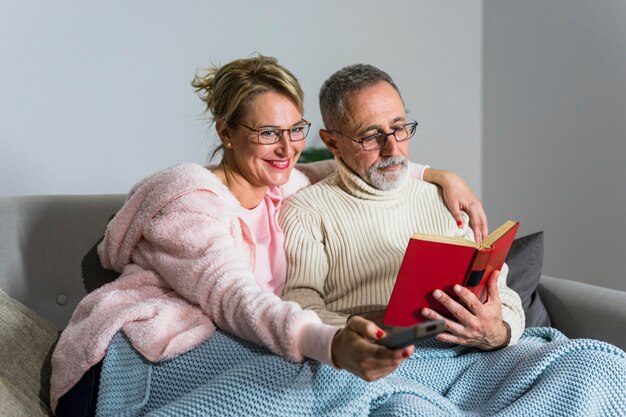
(345, 238)
(346, 235)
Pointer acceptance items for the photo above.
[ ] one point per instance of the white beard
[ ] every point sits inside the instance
(387, 180)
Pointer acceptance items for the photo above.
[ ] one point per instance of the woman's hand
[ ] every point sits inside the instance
(478, 325)
(353, 350)
(459, 197)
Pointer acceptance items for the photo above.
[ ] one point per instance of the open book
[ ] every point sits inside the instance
(439, 262)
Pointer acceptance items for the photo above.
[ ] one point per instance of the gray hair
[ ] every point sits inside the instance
(348, 80)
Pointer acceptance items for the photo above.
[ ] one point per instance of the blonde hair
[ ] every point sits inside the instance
(228, 90)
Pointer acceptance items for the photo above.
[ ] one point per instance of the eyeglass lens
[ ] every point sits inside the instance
(380, 140)
(271, 136)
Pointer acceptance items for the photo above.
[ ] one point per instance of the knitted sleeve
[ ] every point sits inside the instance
(512, 310)
(306, 279)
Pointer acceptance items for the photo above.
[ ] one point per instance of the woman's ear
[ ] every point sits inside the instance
(224, 133)
(330, 140)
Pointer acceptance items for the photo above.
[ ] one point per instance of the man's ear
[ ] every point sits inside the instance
(330, 140)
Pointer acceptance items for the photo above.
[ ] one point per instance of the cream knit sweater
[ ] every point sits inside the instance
(345, 241)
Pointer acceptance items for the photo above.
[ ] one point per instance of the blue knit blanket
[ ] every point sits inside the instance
(545, 374)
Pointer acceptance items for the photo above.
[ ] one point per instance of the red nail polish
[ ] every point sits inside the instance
(380, 334)
(405, 354)
(459, 223)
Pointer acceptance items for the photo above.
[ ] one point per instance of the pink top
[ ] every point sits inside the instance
(269, 260)
(186, 258)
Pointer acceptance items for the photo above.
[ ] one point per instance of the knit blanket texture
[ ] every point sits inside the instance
(544, 374)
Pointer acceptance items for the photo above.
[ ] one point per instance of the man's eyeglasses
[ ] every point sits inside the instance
(269, 136)
(379, 140)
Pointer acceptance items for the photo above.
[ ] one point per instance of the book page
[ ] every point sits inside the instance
(446, 239)
(498, 233)
(486, 243)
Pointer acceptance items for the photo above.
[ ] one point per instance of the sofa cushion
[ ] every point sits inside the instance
(525, 261)
(25, 350)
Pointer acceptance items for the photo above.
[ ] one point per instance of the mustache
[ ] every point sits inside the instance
(391, 160)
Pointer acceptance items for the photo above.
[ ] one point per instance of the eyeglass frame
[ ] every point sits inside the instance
(303, 123)
(393, 132)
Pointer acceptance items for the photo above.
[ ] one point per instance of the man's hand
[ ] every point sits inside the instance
(459, 197)
(478, 325)
(353, 350)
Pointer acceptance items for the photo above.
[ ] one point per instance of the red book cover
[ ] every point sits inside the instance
(440, 262)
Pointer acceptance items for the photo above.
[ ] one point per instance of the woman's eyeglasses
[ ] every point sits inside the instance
(270, 136)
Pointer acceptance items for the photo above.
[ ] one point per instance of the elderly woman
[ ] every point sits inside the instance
(200, 248)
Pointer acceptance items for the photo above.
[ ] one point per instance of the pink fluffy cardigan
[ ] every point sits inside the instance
(186, 262)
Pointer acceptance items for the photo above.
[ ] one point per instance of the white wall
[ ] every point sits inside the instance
(96, 95)
(555, 130)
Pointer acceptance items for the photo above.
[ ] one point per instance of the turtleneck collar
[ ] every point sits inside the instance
(354, 185)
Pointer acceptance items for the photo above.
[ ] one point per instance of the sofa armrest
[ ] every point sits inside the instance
(48, 257)
(585, 311)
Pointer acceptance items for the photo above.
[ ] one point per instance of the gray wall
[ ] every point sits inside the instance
(96, 95)
(554, 122)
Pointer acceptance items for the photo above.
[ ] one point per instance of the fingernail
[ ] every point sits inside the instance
(457, 288)
(459, 223)
(426, 312)
(379, 334)
(437, 294)
(406, 354)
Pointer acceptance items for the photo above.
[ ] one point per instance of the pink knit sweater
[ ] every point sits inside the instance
(186, 261)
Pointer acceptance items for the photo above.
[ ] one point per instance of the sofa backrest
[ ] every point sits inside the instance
(48, 257)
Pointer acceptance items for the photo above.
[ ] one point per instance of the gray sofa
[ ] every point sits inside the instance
(48, 262)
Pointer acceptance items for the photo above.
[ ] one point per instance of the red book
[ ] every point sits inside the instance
(440, 262)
